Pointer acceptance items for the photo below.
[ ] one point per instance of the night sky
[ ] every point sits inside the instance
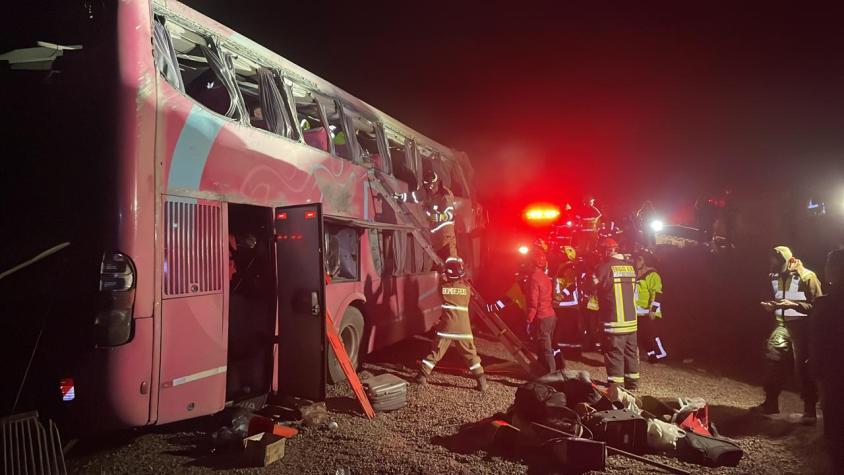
(552, 99)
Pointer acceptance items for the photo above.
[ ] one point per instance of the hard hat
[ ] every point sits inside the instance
(571, 254)
(784, 251)
(430, 177)
(453, 268)
(608, 243)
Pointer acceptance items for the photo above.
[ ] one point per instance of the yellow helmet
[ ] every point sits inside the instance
(570, 252)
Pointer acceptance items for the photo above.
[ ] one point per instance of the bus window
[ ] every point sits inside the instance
(458, 186)
(336, 130)
(400, 161)
(246, 75)
(383, 249)
(203, 71)
(165, 55)
(367, 137)
(309, 116)
(342, 251)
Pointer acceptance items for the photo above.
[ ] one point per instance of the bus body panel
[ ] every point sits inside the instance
(193, 358)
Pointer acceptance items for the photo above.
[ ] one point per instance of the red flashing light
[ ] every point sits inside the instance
(542, 213)
(281, 216)
(523, 250)
(310, 214)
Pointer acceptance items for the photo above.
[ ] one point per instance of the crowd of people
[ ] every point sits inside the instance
(611, 302)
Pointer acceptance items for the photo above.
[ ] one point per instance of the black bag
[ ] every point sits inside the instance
(619, 428)
(530, 400)
(576, 385)
(708, 451)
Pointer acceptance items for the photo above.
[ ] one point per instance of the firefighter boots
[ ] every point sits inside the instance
(482, 384)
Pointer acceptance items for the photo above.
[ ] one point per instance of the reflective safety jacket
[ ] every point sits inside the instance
(648, 293)
(454, 322)
(800, 287)
(615, 282)
(565, 286)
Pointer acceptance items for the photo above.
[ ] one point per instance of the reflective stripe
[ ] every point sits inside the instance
(452, 259)
(566, 292)
(615, 379)
(619, 299)
(428, 364)
(499, 304)
(195, 376)
(456, 336)
(631, 375)
(662, 352)
(642, 311)
(415, 198)
(474, 367)
(442, 225)
(793, 293)
(655, 306)
(455, 307)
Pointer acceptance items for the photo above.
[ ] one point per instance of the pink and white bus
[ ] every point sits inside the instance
(206, 186)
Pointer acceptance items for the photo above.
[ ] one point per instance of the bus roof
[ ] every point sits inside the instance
(244, 45)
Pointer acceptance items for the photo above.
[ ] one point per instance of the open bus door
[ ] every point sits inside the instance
(301, 301)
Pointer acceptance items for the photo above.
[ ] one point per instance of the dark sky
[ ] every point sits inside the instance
(657, 99)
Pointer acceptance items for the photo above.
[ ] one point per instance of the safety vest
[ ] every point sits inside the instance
(440, 210)
(648, 292)
(565, 287)
(454, 323)
(617, 286)
(788, 289)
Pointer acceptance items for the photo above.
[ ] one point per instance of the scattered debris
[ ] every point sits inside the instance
(263, 449)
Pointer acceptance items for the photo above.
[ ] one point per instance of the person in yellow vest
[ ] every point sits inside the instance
(615, 283)
(454, 326)
(566, 301)
(649, 306)
(794, 289)
(439, 206)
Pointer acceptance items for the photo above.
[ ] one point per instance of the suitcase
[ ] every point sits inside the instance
(386, 392)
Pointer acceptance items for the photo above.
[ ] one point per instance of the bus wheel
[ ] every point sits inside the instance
(351, 334)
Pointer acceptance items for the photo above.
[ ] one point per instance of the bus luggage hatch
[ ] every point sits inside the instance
(301, 302)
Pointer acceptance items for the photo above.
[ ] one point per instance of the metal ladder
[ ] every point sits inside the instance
(483, 312)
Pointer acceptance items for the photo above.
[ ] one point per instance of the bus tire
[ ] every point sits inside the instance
(351, 334)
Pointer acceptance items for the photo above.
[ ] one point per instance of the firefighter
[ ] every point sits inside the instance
(794, 289)
(439, 206)
(566, 301)
(615, 283)
(588, 219)
(541, 319)
(648, 306)
(827, 333)
(645, 215)
(454, 325)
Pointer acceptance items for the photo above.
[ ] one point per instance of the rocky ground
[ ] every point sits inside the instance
(425, 437)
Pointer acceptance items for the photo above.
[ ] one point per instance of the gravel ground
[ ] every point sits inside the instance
(424, 436)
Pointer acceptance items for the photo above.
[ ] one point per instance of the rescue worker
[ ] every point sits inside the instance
(615, 282)
(566, 300)
(648, 307)
(794, 289)
(827, 333)
(541, 319)
(439, 206)
(454, 325)
(645, 215)
(588, 220)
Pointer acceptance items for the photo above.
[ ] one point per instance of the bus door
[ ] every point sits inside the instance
(301, 301)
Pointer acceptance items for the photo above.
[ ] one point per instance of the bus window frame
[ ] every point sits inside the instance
(352, 114)
(313, 95)
(343, 123)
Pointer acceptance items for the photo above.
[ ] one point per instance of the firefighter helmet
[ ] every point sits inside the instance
(608, 244)
(430, 178)
(571, 254)
(540, 259)
(453, 268)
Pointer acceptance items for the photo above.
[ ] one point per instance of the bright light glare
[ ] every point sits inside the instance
(542, 214)
(523, 249)
(657, 225)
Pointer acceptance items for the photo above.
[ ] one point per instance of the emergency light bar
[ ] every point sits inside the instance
(542, 213)
(523, 250)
